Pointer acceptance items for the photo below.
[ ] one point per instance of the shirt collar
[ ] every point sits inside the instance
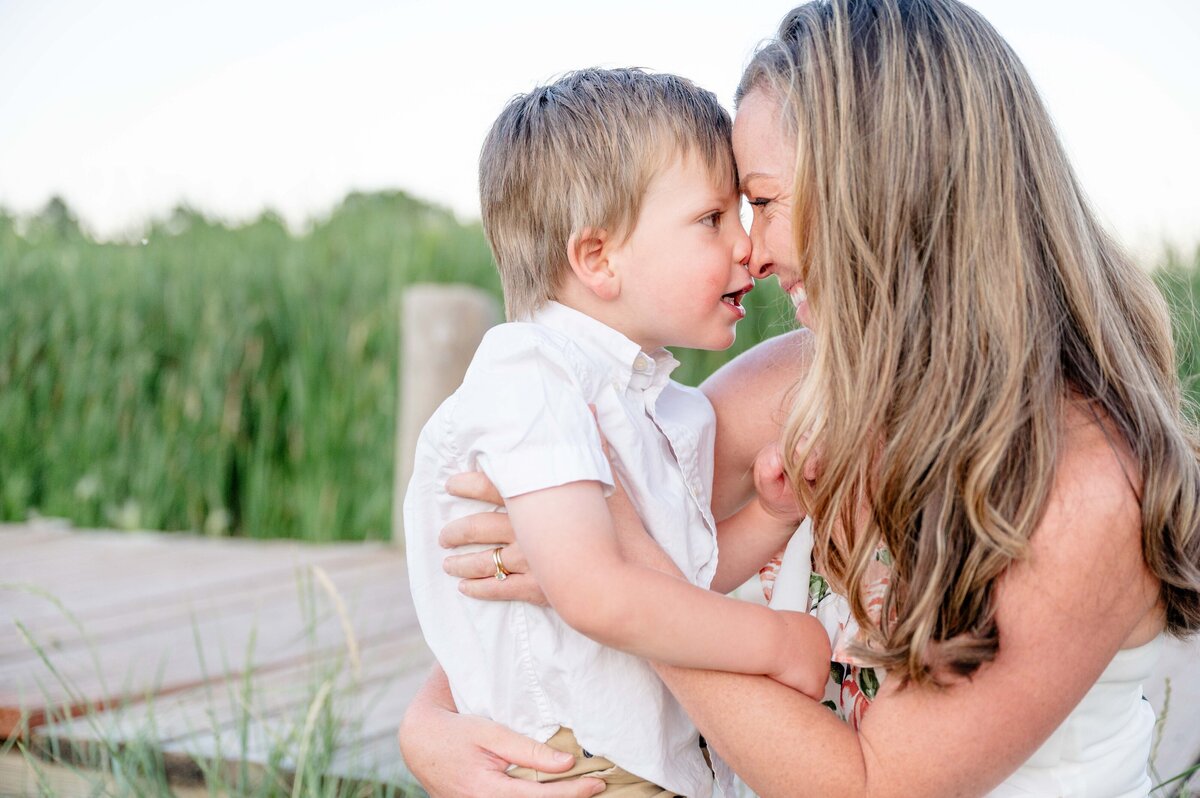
(629, 366)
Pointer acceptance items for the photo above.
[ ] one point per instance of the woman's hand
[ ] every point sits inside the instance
(775, 492)
(477, 570)
(465, 756)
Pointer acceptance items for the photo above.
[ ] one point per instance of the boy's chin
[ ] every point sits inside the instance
(716, 343)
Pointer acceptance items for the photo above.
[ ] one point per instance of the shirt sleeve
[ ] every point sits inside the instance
(522, 415)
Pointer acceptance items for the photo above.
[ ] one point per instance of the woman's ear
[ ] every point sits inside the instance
(588, 252)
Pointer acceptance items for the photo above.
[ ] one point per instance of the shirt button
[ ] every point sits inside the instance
(642, 364)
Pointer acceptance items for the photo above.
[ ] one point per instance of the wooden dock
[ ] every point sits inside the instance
(223, 660)
(231, 661)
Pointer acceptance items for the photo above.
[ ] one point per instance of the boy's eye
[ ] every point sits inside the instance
(712, 220)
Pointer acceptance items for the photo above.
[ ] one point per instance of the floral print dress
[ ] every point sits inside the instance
(852, 685)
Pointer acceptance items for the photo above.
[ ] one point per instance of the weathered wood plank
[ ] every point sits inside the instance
(98, 571)
(27, 775)
(225, 725)
(203, 710)
(171, 619)
(155, 648)
(79, 620)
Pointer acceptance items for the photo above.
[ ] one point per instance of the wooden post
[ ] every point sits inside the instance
(440, 327)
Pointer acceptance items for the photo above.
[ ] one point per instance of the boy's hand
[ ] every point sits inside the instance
(804, 655)
(775, 493)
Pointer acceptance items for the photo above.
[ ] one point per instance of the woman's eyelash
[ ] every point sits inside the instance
(758, 202)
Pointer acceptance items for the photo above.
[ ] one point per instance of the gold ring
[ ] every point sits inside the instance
(501, 572)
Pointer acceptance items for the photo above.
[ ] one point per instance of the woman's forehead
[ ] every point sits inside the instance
(760, 145)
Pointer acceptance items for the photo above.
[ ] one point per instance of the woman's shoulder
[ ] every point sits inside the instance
(752, 392)
(1096, 462)
(750, 396)
(1089, 539)
(774, 364)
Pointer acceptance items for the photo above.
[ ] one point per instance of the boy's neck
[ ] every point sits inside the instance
(607, 312)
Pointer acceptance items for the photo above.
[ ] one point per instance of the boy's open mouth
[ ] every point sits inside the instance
(735, 297)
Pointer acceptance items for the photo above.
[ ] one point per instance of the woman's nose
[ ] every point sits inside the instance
(760, 265)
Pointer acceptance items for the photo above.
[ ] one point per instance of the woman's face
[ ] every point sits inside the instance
(766, 160)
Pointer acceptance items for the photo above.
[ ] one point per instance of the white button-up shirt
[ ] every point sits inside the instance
(521, 416)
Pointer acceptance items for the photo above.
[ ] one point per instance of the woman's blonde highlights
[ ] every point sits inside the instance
(961, 290)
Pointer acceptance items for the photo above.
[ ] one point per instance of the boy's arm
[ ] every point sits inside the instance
(567, 535)
(746, 542)
(759, 530)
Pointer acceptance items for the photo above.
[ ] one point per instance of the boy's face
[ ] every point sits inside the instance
(682, 269)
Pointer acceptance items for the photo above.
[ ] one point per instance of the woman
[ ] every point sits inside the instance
(990, 385)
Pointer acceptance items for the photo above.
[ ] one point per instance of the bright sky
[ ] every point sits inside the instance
(128, 107)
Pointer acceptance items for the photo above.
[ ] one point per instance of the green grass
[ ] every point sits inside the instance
(1178, 277)
(214, 379)
(242, 380)
(225, 380)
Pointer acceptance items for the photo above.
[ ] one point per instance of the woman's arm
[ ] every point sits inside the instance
(1082, 593)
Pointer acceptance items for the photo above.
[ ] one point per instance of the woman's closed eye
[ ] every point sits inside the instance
(758, 202)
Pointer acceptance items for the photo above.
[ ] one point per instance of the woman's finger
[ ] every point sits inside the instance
(517, 749)
(581, 788)
(501, 786)
(603, 439)
(474, 485)
(507, 787)
(494, 528)
(518, 587)
(768, 467)
(479, 564)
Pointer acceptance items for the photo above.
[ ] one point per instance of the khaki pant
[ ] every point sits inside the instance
(620, 782)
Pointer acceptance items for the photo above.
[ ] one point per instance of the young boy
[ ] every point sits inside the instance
(609, 199)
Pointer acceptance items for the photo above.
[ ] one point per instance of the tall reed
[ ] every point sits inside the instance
(242, 380)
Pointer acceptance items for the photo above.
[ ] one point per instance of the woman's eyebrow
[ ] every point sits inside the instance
(746, 178)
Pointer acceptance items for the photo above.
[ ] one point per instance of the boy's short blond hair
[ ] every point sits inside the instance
(579, 153)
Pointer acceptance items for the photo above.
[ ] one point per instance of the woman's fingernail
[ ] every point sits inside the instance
(563, 756)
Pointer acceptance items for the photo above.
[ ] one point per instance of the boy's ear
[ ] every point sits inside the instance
(588, 253)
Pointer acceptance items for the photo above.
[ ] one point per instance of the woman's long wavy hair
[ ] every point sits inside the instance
(961, 291)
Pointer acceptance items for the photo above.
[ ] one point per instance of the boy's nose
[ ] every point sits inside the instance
(742, 250)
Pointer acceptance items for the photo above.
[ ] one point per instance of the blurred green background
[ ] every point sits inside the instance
(242, 380)
(227, 380)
